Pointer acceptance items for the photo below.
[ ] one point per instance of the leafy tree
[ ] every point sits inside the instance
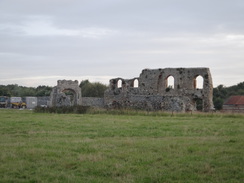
(218, 103)
(43, 91)
(22, 91)
(83, 83)
(222, 93)
(4, 91)
(92, 89)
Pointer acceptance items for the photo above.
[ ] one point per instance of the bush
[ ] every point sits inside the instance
(63, 109)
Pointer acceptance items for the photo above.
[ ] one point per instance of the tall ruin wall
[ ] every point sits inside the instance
(154, 93)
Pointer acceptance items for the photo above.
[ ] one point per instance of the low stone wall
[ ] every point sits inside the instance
(93, 101)
(43, 101)
(152, 103)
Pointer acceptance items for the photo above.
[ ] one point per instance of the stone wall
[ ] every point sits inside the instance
(154, 93)
(43, 101)
(93, 101)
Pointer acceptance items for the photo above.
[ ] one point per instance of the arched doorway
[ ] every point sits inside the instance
(70, 96)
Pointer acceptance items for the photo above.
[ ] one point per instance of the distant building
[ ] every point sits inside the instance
(234, 104)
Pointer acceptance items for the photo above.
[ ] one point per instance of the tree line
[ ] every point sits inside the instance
(89, 89)
(15, 90)
(96, 89)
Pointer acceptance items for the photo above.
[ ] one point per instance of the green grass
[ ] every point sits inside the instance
(133, 147)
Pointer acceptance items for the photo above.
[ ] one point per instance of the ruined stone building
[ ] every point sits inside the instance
(149, 91)
(154, 93)
(66, 93)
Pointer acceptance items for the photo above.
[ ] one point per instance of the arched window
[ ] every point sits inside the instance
(136, 83)
(170, 82)
(119, 83)
(198, 82)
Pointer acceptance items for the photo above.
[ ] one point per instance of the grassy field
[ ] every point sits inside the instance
(38, 147)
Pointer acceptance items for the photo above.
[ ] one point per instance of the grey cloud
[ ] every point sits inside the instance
(119, 37)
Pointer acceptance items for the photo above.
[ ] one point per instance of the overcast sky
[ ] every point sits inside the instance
(42, 41)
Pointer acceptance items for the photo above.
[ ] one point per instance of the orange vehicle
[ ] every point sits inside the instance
(16, 102)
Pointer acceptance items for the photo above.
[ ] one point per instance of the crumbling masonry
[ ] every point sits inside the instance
(66, 93)
(149, 91)
(153, 92)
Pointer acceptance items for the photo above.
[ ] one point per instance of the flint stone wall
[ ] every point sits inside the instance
(153, 103)
(153, 92)
(43, 101)
(93, 101)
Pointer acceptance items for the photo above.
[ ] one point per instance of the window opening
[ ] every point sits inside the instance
(198, 82)
(119, 83)
(136, 83)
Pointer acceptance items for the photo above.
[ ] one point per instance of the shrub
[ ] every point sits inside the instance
(63, 109)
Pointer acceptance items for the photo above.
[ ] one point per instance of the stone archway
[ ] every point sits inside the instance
(66, 93)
